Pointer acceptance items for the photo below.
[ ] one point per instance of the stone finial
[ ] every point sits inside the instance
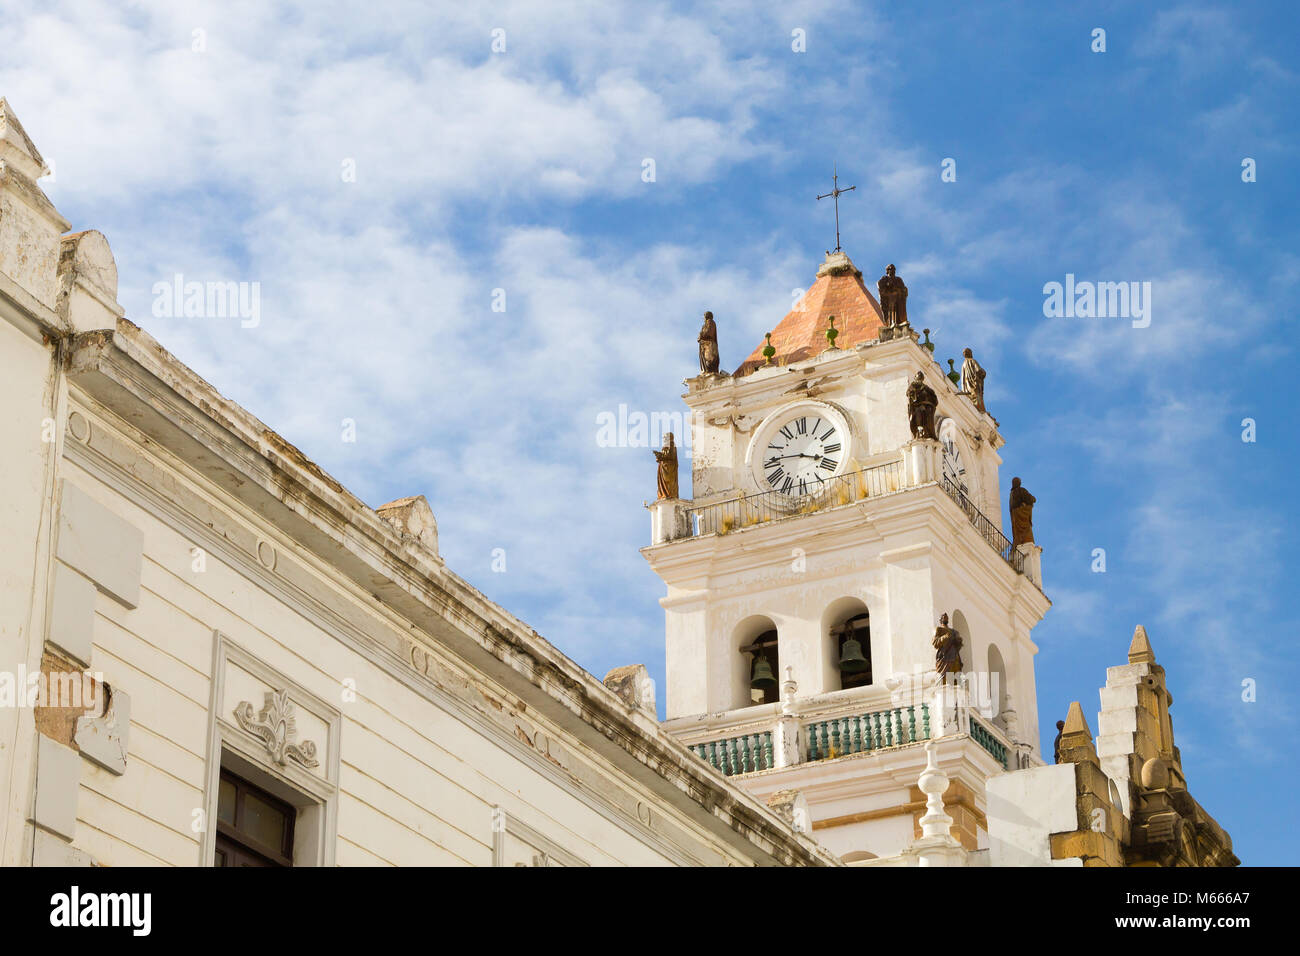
(832, 334)
(789, 687)
(87, 282)
(634, 687)
(1155, 774)
(1075, 722)
(16, 147)
(1076, 744)
(30, 240)
(1139, 651)
(933, 782)
(412, 516)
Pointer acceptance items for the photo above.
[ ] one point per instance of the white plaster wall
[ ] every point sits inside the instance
(28, 396)
(417, 782)
(1024, 808)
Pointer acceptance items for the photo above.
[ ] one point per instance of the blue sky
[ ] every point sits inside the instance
(522, 171)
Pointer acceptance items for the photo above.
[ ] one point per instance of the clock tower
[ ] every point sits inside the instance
(827, 535)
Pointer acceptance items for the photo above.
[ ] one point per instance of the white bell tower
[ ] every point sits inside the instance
(807, 576)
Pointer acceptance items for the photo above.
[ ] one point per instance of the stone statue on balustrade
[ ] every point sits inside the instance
(667, 477)
(947, 649)
(1022, 514)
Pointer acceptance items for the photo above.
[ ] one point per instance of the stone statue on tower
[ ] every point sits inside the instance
(708, 340)
(947, 649)
(667, 459)
(893, 298)
(921, 403)
(972, 379)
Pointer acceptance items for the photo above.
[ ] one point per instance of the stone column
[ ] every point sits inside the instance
(920, 461)
(787, 751)
(668, 520)
(949, 708)
(1033, 562)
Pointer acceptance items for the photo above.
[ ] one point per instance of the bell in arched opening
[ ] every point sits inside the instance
(852, 660)
(853, 638)
(762, 677)
(761, 660)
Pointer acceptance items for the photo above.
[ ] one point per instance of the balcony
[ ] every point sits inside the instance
(763, 746)
(918, 465)
(747, 511)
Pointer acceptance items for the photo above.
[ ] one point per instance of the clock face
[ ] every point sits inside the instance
(954, 469)
(802, 453)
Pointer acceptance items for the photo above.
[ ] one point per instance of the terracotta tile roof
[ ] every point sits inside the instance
(838, 291)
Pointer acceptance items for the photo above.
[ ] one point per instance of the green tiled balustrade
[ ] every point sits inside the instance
(984, 737)
(743, 754)
(866, 732)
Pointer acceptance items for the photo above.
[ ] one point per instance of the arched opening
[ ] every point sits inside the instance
(997, 690)
(958, 624)
(847, 625)
(758, 670)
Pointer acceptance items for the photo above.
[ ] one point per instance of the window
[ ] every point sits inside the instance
(253, 827)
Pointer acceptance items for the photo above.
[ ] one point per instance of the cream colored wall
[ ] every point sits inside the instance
(28, 397)
(417, 782)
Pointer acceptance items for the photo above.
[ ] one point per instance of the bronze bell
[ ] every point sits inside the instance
(851, 659)
(762, 677)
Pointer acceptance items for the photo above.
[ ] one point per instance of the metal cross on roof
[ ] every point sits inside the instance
(835, 194)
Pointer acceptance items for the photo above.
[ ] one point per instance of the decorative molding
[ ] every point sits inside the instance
(249, 752)
(79, 427)
(277, 728)
(504, 824)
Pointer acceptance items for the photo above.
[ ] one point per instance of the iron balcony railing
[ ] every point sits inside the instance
(987, 529)
(747, 511)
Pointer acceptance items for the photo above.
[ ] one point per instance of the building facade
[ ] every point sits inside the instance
(213, 654)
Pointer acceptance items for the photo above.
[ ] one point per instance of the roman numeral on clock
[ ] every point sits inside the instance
(802, 426)
(774, 476)
(831, 448)
(785, 430)
(830, 464)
